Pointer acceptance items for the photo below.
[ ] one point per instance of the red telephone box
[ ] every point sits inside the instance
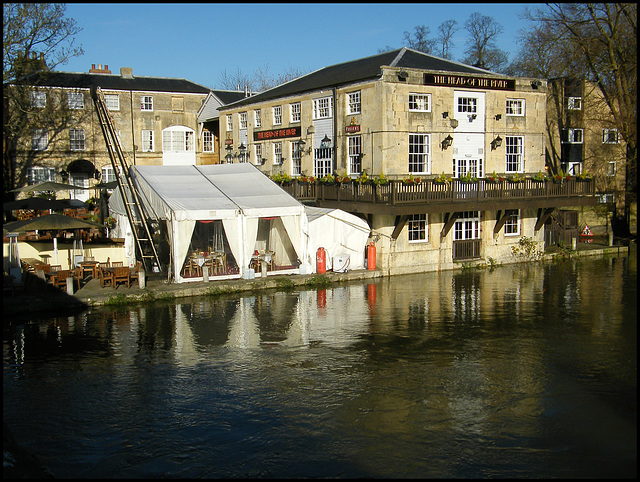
(321, 261)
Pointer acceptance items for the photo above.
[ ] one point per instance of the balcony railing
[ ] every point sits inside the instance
(397, 193)
(466, 249)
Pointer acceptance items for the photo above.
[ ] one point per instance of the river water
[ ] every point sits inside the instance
(520, 371)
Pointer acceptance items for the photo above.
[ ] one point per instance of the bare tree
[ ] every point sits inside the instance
(599, 43)
(31, 34)
(446, 30)
(236, 80)
(420, 40)
(481, 43)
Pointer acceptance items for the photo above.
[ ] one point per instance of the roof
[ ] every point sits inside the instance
(207, 192)
(363, 69)
(116, 82)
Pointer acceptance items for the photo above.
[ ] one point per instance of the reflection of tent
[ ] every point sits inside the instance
(239, 196)
(339, 233)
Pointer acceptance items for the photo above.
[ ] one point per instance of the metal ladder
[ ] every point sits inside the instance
(146, 250)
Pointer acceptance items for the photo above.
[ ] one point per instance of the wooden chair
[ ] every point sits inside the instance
(60, 279)
(134, 273)
(117, 263)
(53, 267)
(106, 277)
(121, 275)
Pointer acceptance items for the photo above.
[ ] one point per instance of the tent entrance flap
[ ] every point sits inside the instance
(208, 246)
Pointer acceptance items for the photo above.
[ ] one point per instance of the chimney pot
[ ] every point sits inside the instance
(93, 66)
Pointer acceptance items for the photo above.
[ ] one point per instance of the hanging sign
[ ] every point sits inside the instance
(277, 133)
(469, 82)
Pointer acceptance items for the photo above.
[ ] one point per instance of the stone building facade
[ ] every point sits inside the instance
(405, 115)
(156, 119)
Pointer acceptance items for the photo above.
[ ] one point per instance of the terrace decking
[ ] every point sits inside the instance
(428, 196)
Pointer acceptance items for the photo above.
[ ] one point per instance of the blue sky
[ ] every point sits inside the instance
(199, 41)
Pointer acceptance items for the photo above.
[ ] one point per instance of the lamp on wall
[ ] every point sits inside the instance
(301, 150)
(326, 142)
(498, 116)
(445, 114)
(497, 142)
(229, 156)
(447, 141)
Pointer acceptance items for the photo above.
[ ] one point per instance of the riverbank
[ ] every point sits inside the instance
(39, 298)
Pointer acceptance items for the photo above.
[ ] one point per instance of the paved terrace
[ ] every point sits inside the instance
(43, 300)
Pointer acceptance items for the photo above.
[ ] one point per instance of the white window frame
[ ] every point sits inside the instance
(467, 226)
(112, 101)
(38, 98)
(515, 107)
(242, 120)
(574, 103)
(419, 153)
(322, 161)
(611, 168)
(354, 103)
(146, 103)
(257, 148)
(257, 114)
(354, 149)
(277, 115)
(178, 139)
(417, 228)
(419, 102)
(229, 123)
(295, 112)
(468, 105)
(512, 224)
(75, 100)
(514, 153)
(473, 167)
(38, 174)
(76, 140)
(610, 136)
(39, 139)
(573, 136)
(277, 153)
(323, 108)
(147, 140)
(296, 159)
(208, 142)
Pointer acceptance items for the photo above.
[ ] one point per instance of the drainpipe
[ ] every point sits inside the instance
(133, 136)
(335, 131)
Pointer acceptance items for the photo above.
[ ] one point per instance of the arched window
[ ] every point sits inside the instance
(178, 146)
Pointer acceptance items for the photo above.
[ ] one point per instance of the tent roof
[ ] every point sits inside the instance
(208, 192)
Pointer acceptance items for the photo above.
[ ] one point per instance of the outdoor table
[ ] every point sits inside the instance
(89, 266)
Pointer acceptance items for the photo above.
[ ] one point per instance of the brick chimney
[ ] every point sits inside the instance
(99, 70)
(126, 72)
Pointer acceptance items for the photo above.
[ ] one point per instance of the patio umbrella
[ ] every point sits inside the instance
(37, 203)
(49, 186)
(50, 222)
(106, 185)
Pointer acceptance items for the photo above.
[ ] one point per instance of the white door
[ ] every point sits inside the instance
(82, 180)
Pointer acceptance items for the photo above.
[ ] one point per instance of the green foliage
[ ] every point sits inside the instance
(280, 177)
(526, 249)
(318, 281)
(442, 178)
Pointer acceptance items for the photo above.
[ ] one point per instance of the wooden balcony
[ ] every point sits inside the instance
(397, 198)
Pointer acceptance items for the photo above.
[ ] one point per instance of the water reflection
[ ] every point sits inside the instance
(518, 371)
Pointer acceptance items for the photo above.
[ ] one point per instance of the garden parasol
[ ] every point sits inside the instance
(49, 186)
(50, 222)
(38, 204)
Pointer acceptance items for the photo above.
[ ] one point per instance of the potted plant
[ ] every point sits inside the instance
(308, 179)
(583, 177)
(327, 179)
(411, 180)
(442, 179)
(281, 177)
(493, 177)
(381, 179)
(540, 177)
(515, 178)
(468, 178)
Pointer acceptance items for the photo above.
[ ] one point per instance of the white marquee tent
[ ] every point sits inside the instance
(339, 233)
(251, 208)
(239, 195)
